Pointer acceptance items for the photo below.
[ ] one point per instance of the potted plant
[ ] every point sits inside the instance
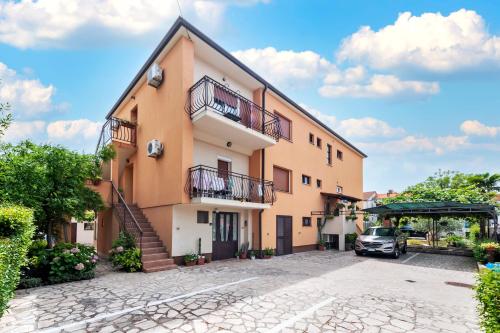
(268, 252)
(491, 248)
(201, 260)
(321, 245)
(251, 253)
(243, 251)
(190, 259)
(237, 255)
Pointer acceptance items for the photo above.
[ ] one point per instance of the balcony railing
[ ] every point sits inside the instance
(119, 130)
(210, 94)
(208, 182)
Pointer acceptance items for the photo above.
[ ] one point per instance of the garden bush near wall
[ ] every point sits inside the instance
(16, 230)
(124, 254)
(72, 262)
(488, 295)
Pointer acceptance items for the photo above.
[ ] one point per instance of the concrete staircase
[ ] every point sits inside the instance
(154, 254)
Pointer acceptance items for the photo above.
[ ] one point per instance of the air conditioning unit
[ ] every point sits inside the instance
(155, 148)
(155, 75)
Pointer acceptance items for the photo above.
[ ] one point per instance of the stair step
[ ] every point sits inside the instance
(157, 263)
(159, 268)
(153, 250)
(154, 256)
(150, 239)
(148, 233)
(151, 244)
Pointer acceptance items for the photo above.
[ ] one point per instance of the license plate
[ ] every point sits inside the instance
(371, 250)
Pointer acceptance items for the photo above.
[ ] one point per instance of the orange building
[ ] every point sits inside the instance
(210, 156)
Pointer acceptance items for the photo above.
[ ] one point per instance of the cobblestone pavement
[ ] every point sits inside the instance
(305, 292)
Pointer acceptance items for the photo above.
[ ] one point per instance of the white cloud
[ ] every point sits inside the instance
(44, 23)
(285, 67)
(22, 130)
(378, 86)
(356, 127)
(26, 96)
(411, 143)
(71, 129)
(368, 127)
(474, 127)
(431, 41)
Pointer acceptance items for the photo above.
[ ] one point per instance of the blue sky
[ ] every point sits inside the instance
(414, 84)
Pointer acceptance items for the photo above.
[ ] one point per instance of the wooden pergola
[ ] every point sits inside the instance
(437, 210)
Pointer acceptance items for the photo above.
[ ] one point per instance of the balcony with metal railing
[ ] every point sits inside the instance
(221, 113)
(214, 186)
(117, 130)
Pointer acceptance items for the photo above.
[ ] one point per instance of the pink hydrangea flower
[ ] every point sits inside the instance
(79, 266)
(119, 249)
(75, 250)
(66, 251)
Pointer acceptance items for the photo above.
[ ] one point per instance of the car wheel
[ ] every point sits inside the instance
(358, 253)
(403, 251)
(396, 253)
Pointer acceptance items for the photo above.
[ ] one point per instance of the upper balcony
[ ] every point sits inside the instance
(212, 186)
(120, 131)
(224, 115)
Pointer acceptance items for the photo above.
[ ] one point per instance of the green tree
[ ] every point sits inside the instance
(51, 180)
(5, 117)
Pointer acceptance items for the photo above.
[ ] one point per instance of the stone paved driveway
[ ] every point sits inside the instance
(306, 292)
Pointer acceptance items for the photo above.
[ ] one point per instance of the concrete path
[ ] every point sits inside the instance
(307, 292)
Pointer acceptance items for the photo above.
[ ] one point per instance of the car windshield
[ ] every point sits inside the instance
(379, 232)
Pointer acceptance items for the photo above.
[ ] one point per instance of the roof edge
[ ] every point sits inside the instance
(181, 22)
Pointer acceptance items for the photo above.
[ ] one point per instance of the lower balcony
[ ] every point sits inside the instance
(211, 186)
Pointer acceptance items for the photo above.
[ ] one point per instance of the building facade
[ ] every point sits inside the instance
(210, 156)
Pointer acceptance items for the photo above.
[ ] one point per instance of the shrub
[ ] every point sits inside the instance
(72, 262)
(190, 257)
(128, 260)
(29, 282)
(351, 238)
(125, 254)
(16, 230)
(479, 253)
(453, 240)
(487, 293)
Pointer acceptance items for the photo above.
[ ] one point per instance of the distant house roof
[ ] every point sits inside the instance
(368, 195)
(387, 195)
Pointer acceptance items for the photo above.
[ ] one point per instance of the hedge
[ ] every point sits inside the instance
(16, 230)
(488, 295)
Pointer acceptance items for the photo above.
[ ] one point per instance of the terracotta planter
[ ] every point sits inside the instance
(201, 261)
(321, 247)
(190, 263)
(490, 254)
(266, 256)
(243, 256)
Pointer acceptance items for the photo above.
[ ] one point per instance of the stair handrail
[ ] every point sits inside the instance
(121, 200)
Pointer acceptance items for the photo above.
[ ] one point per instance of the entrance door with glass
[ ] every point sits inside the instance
(224, 235)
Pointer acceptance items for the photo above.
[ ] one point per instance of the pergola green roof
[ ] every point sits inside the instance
(440, 208)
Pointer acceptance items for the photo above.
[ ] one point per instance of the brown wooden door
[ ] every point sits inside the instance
(283, 235)
(224, 235)
(223, 169)
(73, 232)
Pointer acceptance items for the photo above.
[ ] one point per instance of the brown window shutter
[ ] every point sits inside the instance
(281, 179)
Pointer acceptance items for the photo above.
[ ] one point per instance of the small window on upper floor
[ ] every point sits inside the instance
(306, 180)
(340, 155)
(281, 179)
(329, 154)
(286, 127)
(311, 138)
(318, 183)
(306, 221)
(339, 189)
(318, 143)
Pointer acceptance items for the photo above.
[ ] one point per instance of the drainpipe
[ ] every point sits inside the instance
(263, 160)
